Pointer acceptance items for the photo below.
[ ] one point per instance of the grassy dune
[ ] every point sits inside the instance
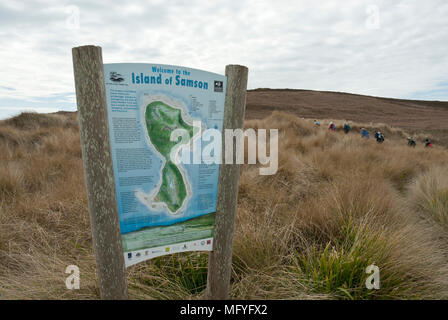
(337, 204)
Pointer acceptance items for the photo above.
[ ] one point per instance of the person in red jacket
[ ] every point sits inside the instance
(332, 126)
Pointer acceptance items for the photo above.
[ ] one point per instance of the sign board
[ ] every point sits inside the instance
(166, 193)
(125, 112)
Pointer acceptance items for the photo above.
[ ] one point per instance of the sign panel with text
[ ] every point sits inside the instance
(166, 182)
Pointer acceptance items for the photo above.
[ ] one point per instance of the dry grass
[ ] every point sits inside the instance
(429, 196)
(337, 204)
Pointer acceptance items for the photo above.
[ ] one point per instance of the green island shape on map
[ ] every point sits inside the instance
(161, 119)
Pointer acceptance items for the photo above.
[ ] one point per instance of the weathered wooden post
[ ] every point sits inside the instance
(97, 161)
(220, 259)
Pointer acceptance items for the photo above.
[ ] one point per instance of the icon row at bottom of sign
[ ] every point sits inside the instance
(205, 244)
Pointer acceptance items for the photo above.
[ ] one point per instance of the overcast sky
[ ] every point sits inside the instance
(384, 48)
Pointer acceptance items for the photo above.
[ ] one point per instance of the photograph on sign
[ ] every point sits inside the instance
(166, 185)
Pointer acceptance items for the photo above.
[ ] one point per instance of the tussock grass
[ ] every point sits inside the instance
(337, 204)
(429, 195)
(32, 120)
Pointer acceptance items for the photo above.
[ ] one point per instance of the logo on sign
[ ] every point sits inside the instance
(218, 86)
(115, 77)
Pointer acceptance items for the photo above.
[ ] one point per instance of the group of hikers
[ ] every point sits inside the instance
(412, 143)
(379, 136)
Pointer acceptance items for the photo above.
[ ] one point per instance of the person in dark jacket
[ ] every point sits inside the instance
(347, 127)
(411, 142)
(379, 137)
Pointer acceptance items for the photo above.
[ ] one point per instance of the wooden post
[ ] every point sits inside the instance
(220, 259)
(98, 170)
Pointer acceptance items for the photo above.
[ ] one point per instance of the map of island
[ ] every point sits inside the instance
(161, 119)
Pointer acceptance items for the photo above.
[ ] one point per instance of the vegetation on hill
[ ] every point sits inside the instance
(337, 204)
(414, 116)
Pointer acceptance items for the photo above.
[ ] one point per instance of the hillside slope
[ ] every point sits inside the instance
(413, 115)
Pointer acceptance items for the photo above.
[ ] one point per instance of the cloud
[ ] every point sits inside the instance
(384, 48)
